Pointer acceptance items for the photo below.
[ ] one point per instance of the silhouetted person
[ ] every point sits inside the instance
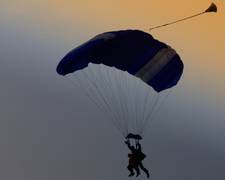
(140, 157)
(135, 159)
(133, 165)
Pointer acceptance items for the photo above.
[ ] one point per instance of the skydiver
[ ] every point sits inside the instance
(140, 157)
(133, 165)
(135, 159)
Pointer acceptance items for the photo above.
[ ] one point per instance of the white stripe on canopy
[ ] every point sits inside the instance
(157, 63)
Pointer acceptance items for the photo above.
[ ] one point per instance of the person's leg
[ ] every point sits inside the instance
(143, 169)
(130, 168)
(137, 170)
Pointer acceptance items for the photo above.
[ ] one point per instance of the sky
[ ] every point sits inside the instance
(50, 131)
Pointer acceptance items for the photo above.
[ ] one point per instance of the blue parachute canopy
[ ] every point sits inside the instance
(133, 51)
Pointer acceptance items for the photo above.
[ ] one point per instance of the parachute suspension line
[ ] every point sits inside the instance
(108, 93)
(132, 104)
(122, 91)
(84, 91)
(129, 103)
(103, 86)
(138, 93)
(87, 93)
(156, 110)
(112, 94)
(126, 95)
(155, 101)
(123, 98)
(145, 96)
(119, 98)
(96, 93)
(113, 101)
(92, 91)
(99, 87)
(135, 105)
(127, 98)
(162, 102)
(146, 100)
(138, 106)
(105, 89)
(120, 79)
(102, 97)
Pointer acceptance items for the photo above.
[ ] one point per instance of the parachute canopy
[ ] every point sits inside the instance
(124, 73)
(133, 51)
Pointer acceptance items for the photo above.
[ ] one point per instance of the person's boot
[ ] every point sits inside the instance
(131, 174)
(147, 173)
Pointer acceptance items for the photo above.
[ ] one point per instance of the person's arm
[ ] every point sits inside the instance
(138, 145)
(128, 144)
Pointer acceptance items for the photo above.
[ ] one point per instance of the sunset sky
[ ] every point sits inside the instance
(45, 133)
